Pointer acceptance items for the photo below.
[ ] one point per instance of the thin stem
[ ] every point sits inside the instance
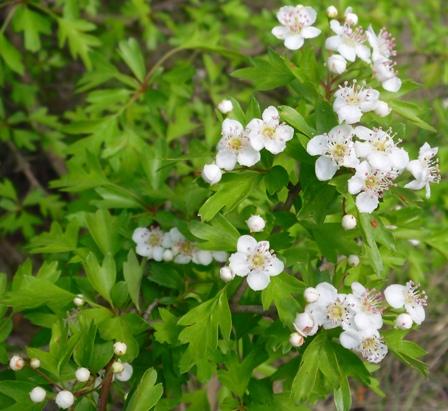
(105, 388)
(48, 379)
(8, 19)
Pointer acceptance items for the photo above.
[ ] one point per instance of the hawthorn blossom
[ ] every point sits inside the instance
(225, 106)
(336, 149)
(348, 42)
(367, 342)
(185, 251)
(409, 297)
(234, 147)
(254, 260)
(352, 101)
(383, 44)
(268, 132)
(380, 150)
(296, 25)
(369, 184)
(367, 307)
(150, 243)
(385, 73)
(425, 169)
(305, 324)
(336, 64)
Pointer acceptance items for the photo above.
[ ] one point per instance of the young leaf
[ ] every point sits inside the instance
(147, 394)
(131, 54)
(133, 272)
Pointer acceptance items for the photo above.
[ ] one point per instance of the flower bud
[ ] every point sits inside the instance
(403, 321)
(38, 394)
(16, 363)
(211, 174)
(348, 222)
(256, 224)
(311, 295)
(202, 257)
(117, 367)
(353, 260)
(226, 274)
(332, 12)
(220, 256)
(296, 340)
(225, 106)
(336, 64)
(351, 19)
(64, 399)
(126, 374)
(82, 374)
(79, 300)
(305, 325)
(34, 363)
(120, 348)
(168, 255)
(382, 109)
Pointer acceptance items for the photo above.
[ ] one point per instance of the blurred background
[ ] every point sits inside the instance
(34, 144)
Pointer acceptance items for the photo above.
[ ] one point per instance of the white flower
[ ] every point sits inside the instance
(225, 106)
(120, 348)
(331, 309)
(366, 305)
(425, 169)
(336, 149)
(64, 399)
(332, 12)
(16, 363)
(268, 132)
(234, 147)
(126, 374)
(305, 324)
(350, 18)
(82, 374)
(337, 64)
(408, 297)
(256, 223)
(403, 321)
(211, 173)
(38, 394)
(367, 342)
(352, 101)
(383, 44)
(384, 71)
(311, 295)
(353, 260)
(35, 363)
(150, 243)
(220, 256)
(202, 257)
(369, 184)
(182, 248)
(226, 274)
(296, 340)
(380, 150)
(348, 222)
(382, 109)
(79, 300)
(254, 260)
(296, 25)
(348, 42)
(117, 367)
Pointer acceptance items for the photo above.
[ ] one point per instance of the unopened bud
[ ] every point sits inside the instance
(37, 394)
(403, 321)
(337, 64)
(226, 274)
(34, 363)
(332, 12)
(311, 295)
(16, 363)
(353, 260)
(349, 222)
(225, 106)
(79, 300)
(120, 348)
(296, 340)
(117, 367)
(256, 223)
(211, 174)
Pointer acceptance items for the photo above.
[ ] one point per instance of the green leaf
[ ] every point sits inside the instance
(276, 179)
(367, 225)
(56, 240)
(102, 278)
(32, 24)
(103, 228)
(131, 54)
(147, 394)
(133, 272)
(10, 55)
(296, 120)
(230, 193)
(409, 110)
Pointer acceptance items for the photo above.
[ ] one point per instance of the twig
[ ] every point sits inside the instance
(150, 308)
(48, 379)
(105, 388)
(294, 190)
(238, 294)
(236, 307)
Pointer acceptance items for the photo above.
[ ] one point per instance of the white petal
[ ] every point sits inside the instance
(318, 145)
(363, 148)
(380, 160)
(358, 289)
(248, 156)
(311, 14)
(157, 253)
(416, 169)
(182, 259)
(144, 250)
(293, 41)
(220, 256)
(310, 32)
(140, 235)
(399, 158)
(325, 168)
(246, 244)
(349, 114)
(347, 52)
(226, 159)
(284, 132)
(417, 313)
(238, 264)
(366, 202)
(327, 293)
(392, 85)
(276, 268)
(270, 115)
(258, 281)
(336, 27)
(231, 127)
(275, 146)
(415, 185)
(363, 133)
(257, 141)
(363, 52)
(333, 43)
(355, 185)
(395, 295)
(349, 340)
(280, 32)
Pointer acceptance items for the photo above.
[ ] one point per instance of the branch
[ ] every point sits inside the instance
(294, 190)
(236, 307)
(105, 387)
(149, 310)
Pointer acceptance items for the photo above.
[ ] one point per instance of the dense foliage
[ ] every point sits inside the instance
(220, 204)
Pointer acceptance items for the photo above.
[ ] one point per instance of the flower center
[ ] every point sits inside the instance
(235, 143)
(381, 145)
(185, 247)
(258, 260)
(337, 312)
(352, 99)
(371, 302)
(154, 239)
(268, 132)
(415, 296)
(339, 150)
(371, 182)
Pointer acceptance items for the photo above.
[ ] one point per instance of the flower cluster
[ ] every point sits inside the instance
(83, 381)
(242, 145)
(359, 314)
(157, 245)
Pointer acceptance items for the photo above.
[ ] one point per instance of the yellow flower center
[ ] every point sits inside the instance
(154, 239)
(352, 100)
(371, 182)
(268, 132)
(258, 260)
(380, 145)
(339, 150)
(235, 143)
